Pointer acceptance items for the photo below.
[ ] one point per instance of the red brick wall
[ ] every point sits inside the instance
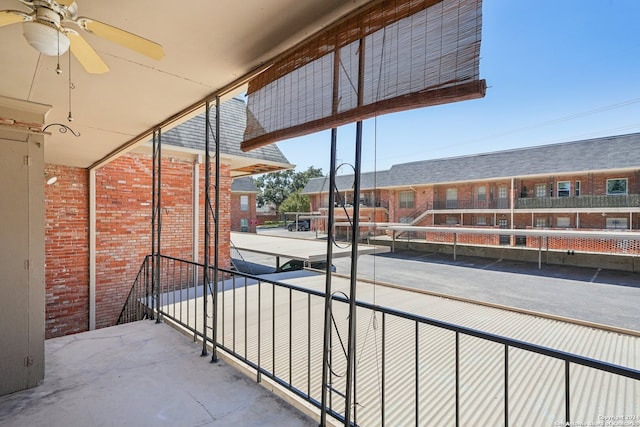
(237, 215)
(67, 251)
(123, 223)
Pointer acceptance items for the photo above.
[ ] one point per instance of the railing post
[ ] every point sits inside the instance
(216, 239)
(506, 385)
(457, 379)
(326, 346)
(417, 372)
(157, 217)
(567, 394)
(382, 371)
(351, 346)
(207, 200)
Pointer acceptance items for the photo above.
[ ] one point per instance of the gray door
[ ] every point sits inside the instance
(21, 266)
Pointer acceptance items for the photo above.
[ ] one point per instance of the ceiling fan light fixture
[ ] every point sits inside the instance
(46, 39)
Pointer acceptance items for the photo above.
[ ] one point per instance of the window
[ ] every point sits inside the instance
(452, 220)
(244, 203)
(406, 199)
(452, 198)
(563, 222)
(482, 193)
(244, 224)
(564, 188)
(541, 222)
(616, 186)
(481, 220)
(541, 190)
(503, 194)
(577, 188)
(617, 223)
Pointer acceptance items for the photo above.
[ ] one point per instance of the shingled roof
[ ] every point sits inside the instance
(233, 113)
(243, 184)
(599, 154)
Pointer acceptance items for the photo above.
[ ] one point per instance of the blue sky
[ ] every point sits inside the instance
(556, 71)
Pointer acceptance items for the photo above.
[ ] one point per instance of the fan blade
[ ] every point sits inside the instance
(86, 55)
(122, 37)
(65, 2)
(8, 17)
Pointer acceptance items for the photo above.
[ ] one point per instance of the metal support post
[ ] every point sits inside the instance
(327, 293)
(351, 347)
(216, 237)
(205, 273)
(455, 246)
(156, 217)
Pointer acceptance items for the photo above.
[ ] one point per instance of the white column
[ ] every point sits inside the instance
(92, 249)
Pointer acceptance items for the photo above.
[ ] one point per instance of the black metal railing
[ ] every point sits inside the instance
(410, 369)
(139, 304)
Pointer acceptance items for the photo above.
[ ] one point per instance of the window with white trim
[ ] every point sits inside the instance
(481, 220)
(503, 192)
(541, 222)
(564, 188)
(406, 199)
(541, 190)
(452, 198)
(244, 203)
(616, 186)
(482, 193)
(617, 224)
(563, 222)
(577, 188)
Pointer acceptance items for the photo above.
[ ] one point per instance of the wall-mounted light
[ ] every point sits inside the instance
(51, 180)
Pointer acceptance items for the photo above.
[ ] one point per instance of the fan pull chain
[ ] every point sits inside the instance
(71, 86)
(58, 69)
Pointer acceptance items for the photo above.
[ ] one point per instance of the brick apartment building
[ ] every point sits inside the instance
(243, 205)
(590, 184)
(115, 221)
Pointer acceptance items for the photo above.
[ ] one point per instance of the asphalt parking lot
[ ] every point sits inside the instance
(605, 297)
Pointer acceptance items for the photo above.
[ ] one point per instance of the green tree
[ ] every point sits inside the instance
(276, 187)
(296, 202)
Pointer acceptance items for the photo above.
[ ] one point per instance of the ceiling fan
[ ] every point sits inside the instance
(46, 29)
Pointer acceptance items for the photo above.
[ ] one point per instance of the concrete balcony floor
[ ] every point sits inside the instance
(142, 374)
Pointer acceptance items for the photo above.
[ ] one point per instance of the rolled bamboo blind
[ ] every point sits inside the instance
(391, 56)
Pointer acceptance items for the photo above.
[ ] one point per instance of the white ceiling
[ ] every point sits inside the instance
(207, 45)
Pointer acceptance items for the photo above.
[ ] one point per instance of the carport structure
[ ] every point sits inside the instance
(307, 250)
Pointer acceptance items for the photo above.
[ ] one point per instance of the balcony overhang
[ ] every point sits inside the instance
(209, 50)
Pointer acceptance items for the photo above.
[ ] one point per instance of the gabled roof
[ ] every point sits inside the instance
(243, 184)
(368, 180)
(599, 154)
(190, 134)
